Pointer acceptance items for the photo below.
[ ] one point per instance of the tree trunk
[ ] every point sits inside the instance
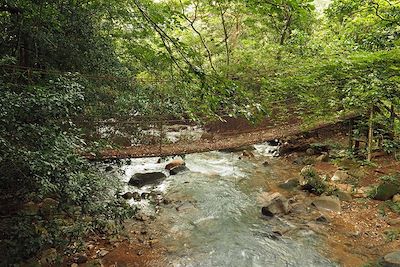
(370, 134)
(392, 117)
(350, 134)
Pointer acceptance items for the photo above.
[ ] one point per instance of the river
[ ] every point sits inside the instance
(215, 218)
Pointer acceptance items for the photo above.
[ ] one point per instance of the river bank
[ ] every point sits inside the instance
(198, 218)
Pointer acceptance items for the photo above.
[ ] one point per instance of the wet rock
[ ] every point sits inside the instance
(178, 169)
(145, 195)
(167, 201)
(275, 204)
(48, 205)
(175, 163)
(136, 196)
(327, 203)
(128, 195)
(30, 208)
(340, 176)
(391, 259)
(248, 154)
(108, 168)
(49, 256)
(386, 190)
(185, 207)
(290, 184)
(324, 157)
(142, 179)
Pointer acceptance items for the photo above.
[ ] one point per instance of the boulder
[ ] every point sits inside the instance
(145, 195)
(178, 169)
(310, 151)
(174, 163)
(329, 203)
(127, 195)
(275, 204)
(340, 176)
(136, 196)
(324, 157)
(248, 154)
(343, 196)
(109, 168)
(386, 190)
(290, 184)
(392, 259)
(142, 179)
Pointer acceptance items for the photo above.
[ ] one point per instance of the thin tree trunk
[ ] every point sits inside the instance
(392, 118)
(370, 134)
(350, 134)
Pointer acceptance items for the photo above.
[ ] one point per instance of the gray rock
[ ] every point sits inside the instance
(290, 184)
(323, 158)
(340, 176)
(145, 195)
(178, 169)
(330, 203)
(343, 196)
(142, 179)
(275, 204)
(391, 259)
(103, 253)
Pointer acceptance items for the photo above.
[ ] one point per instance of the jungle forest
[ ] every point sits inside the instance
(200, 133)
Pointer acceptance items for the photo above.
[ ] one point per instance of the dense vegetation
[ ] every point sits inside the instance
(64, 61)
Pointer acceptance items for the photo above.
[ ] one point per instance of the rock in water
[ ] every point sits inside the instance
(392, 259)
(127, 195)
(142, 179)
(327, 203)
(178, 169)
(275, 204)
(175, 163)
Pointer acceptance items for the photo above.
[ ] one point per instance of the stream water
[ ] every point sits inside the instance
(215, 218)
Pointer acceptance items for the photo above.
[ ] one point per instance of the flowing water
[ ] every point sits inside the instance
(216, 220)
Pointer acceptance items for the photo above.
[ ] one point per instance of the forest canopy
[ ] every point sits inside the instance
(64, 62)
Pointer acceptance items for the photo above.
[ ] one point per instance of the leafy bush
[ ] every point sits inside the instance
(39, 159)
